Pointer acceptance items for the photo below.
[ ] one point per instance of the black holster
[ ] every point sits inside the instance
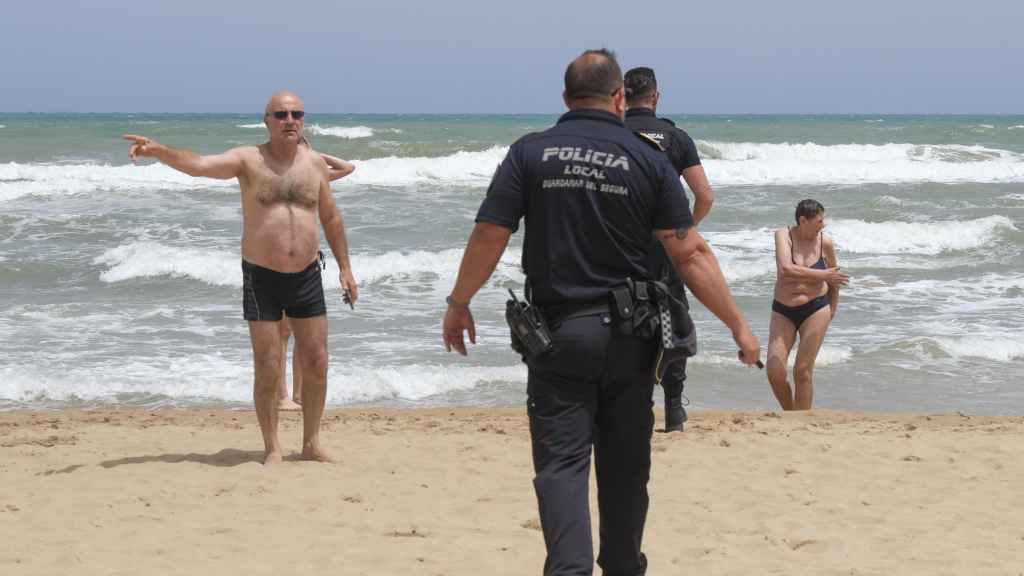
(649, 310)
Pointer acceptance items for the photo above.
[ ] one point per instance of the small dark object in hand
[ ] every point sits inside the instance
(348, 300)
(759, 364)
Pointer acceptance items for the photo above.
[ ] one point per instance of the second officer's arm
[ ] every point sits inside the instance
(686, 159)
(703, 196)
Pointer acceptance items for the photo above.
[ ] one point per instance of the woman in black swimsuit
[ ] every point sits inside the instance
(806, 299)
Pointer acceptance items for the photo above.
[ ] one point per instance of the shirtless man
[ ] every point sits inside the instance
(337, 169)
(806, 300)
(284, 190)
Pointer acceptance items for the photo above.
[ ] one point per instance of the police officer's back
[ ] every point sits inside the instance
(591, 193)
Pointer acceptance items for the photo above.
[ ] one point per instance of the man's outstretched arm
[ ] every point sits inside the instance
(486, 245)
(220, 166)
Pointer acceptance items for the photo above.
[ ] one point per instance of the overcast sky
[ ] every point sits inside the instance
(475, 56)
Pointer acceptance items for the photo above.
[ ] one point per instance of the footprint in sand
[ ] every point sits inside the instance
(801, 544)
(411, 533)
(531, 524)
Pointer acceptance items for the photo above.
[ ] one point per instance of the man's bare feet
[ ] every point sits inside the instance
(272, 458)
(287, 405)
(315, 453)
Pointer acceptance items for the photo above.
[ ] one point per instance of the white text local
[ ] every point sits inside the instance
(570, 154)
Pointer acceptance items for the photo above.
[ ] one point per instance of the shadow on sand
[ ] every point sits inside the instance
(225, 458)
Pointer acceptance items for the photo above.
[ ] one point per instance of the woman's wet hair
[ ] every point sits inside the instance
(808, 209)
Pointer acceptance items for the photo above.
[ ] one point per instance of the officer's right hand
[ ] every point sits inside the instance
(750, 347)
(456, 320)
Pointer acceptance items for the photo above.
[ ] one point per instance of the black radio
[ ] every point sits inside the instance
(530, 334)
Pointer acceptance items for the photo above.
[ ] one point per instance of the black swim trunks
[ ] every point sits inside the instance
(266, 292)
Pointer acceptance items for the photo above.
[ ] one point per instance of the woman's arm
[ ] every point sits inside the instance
(337, 168)
(829, 250)
(788, 270)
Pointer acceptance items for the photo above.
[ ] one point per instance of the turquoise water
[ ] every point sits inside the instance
(120, 284)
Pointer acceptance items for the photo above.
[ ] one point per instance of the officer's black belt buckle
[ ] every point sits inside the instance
(530, 334)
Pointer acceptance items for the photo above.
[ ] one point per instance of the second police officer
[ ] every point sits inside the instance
(641, 116)
(592, 193)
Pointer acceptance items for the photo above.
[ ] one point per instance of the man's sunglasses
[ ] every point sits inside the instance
(282, 114)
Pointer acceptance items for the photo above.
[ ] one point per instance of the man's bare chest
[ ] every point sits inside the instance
(294, 186)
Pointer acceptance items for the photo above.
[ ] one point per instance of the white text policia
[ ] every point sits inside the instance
(602, 159)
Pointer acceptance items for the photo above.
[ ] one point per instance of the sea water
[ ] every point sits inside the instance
(120, 284)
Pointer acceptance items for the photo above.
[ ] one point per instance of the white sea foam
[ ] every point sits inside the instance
(727, 164)
(217, 377)
(859, 237)
(1017, 127)
(731, 163)
(146, 259)
(748, 164)
(997, 296)
(886, 200)
(739, 264)
(1014, 197)
(256, 125)
(1007, 349)
(464, 168)
(151, 259)
(348, 132)
(414, 381)
(17, 180)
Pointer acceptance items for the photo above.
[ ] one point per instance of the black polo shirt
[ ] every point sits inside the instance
(591, 192)
(681, 150)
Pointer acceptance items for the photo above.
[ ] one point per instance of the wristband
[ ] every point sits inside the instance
(453, 302)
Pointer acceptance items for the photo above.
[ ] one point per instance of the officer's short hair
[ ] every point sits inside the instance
(593, 78)
(808, 209)
(640, 83)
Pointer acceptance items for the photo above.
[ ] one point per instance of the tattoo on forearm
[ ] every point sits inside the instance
(678, 233)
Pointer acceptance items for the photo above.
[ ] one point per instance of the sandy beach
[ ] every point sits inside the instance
(449, 492)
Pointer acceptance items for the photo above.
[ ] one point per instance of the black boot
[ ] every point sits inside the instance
(675, 414)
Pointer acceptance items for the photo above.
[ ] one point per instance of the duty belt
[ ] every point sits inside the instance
(575, 309)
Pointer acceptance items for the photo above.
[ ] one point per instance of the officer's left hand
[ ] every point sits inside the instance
(456, 320)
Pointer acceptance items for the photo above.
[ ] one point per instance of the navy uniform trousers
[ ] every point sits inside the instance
(592, 391)
(675, 376)
(661, 266)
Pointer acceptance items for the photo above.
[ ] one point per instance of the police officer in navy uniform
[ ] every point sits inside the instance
(641, 116)
(592, 193)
